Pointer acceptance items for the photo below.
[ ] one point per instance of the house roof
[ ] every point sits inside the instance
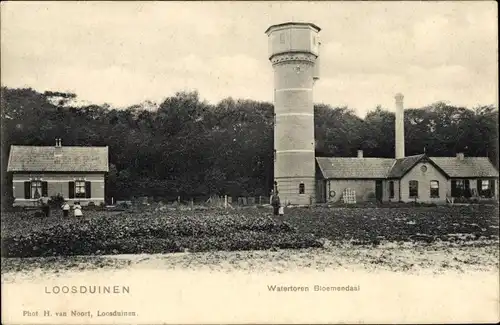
(366, 168)
(349, 168)
(67, 159)
(467, 167)
(403, 165)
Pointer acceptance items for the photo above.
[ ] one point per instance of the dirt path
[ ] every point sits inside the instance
(397, 284)
(408, 258)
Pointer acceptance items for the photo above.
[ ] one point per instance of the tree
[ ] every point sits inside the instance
(191, 148)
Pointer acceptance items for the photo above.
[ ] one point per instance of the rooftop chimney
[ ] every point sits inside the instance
(58, 149)
(399, 126)
(460, 156)
(360, 153)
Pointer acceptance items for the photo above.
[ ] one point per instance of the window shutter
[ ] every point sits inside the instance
(88, 194)
(45, 191)
(27, 190)
(479, 187)
(492, 188)
(71, 190)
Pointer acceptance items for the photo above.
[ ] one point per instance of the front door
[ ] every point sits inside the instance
(467, 191)
(378, 191)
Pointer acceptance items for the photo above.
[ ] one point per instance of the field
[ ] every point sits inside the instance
(150, 231)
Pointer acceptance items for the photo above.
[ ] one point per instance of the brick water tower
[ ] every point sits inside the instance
(293, 52)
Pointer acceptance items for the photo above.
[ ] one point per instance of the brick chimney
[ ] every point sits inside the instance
(399, 126)
(360, 153)
(58, 148)
(460, 156)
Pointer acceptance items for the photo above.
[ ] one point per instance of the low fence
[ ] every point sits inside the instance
(225, 201)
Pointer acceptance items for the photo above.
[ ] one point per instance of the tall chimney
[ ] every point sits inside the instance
(360, 153)
(400, 131)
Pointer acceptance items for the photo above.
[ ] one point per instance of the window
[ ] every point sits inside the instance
(413, 188)
(485, 188)
(434, 189)
(282, 38)
(302, 189)
(80, 189)
(36, 189)
(391, 189)
(460, 188)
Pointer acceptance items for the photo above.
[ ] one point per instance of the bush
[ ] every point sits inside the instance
(8, 202)
(93, 207)
(56, 201)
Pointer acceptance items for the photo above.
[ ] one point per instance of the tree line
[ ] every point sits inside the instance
(190, 148)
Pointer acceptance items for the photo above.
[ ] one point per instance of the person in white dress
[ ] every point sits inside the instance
(77, 210)
(65, 207)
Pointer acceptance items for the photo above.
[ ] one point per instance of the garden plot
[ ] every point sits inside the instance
(136, 232)
(149, 232)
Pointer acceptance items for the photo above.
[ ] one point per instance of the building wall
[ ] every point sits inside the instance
(320, 190)
(294, 129)
(473, 184)
(288, 190)
(386, 193)
(58, 184)
(424, 179)
(365, 189)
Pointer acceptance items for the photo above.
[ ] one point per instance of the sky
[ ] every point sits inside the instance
(124, 53)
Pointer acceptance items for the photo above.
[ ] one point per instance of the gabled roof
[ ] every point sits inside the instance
(351, 168)
(66, 159)
(466, 167)
(375, 168)
(403, 165)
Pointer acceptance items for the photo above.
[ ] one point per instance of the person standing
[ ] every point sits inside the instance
(78, 210)
(45, 206)
(65, 207)
(275, 202)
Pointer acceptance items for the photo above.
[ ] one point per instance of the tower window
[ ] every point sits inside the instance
(302, 188)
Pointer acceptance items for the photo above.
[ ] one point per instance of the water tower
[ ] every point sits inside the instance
(293, 52)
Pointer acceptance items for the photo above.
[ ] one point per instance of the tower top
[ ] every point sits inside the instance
(293, 37)
(399, 96)
(291, 25)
